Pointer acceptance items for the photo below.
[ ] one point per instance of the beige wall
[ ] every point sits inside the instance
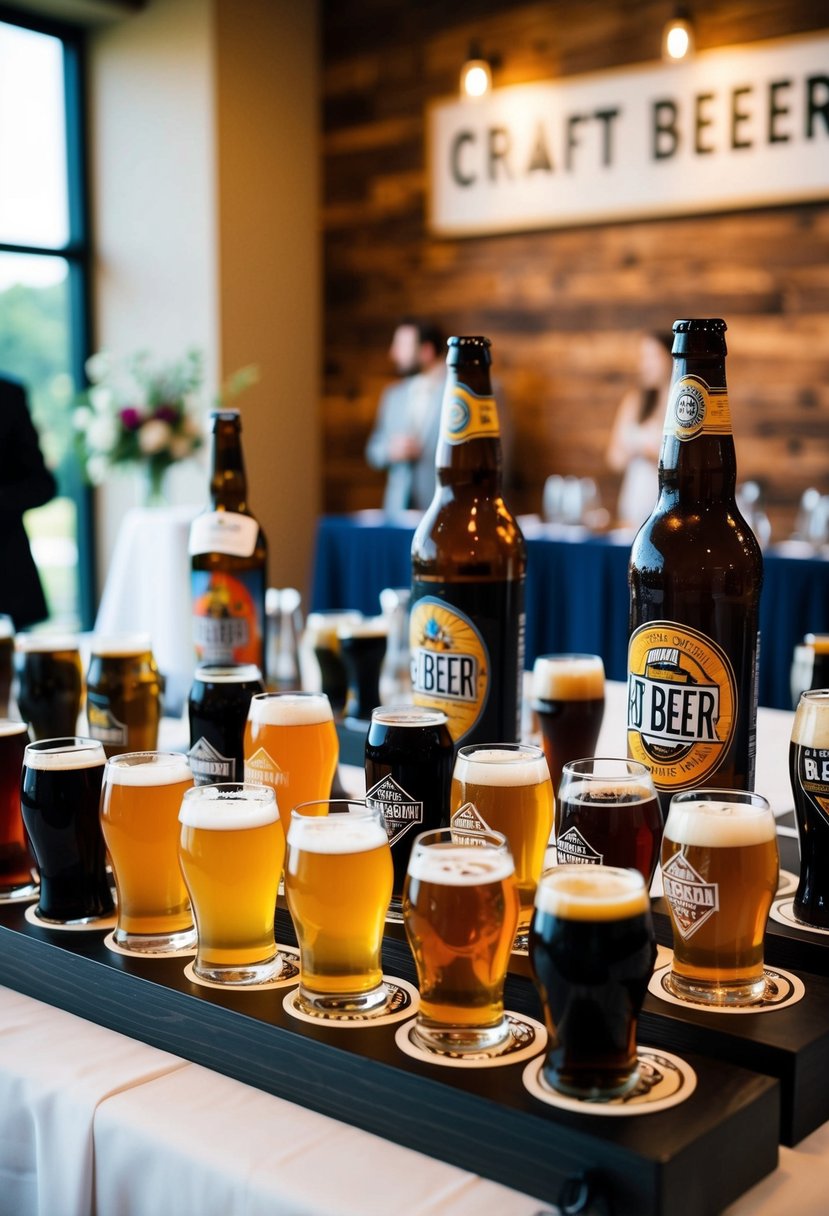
(203, 137)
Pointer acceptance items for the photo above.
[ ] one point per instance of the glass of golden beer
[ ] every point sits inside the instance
(291, 745)
(231, 851)
(140, 802)
(719, 874)
(460, 909)
(509, 787)
(338, 881)
(568, 698)
(592, 950)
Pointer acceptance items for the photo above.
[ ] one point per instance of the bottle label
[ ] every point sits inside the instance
(682, 704)
(400, 810)
(467, 416)
(450, 663)
(693, 900)
(207, 763)
(811, 769)
(223, 532)
(228, 616)
(694, 408)
(103, 725)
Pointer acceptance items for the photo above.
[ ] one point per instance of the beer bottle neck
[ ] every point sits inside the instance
(468, 454)
(698, 462)
(228, 484)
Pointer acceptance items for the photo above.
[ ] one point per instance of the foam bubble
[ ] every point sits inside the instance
(148, 769)
(811, 721)
(495, 766)
(45, 643)
(64, 759)
(216, 810)
(123, 645)
(243, 674)
(336, 834)
(465, 865)
(290, 709)
(568, 678)
(601, 893)
(719, 825)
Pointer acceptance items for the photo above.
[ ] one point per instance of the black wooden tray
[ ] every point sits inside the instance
(694, 1158)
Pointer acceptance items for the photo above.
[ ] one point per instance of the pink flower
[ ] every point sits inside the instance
(167, 413)
(131, 418)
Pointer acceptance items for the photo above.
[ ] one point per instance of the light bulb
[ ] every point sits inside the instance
(476, 78)
(677, 40)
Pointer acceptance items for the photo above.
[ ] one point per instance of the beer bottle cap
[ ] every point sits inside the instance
(701, 336)
(218, 416)
(474, 349)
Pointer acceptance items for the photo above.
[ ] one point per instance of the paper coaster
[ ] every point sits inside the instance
(782, 989)
(94, 926)
(782, 910)
(665, 1080)
(290, 975)
(787, 883)
(404, 1002)
(111, 944)
(393, 917)
(528, 1038)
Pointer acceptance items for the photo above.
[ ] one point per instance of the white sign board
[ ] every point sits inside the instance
(733, 128)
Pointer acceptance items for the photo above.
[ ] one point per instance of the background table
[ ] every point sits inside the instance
(576, 595)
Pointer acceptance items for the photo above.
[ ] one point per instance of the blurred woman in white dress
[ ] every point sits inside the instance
(636, 437)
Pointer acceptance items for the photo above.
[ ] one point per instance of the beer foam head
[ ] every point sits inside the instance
(222, 808)
(714, 824)
(502, 766)
(61, 755)
(408, 715)
(321, 627)
(368, 627)
(290, 709)
(121, 645)
(591, 893)
(339, 833)
(245, 673)
(45, 643)
(568, 677)
(8, 727)
(460, 865)
(148, 769)
(811, 721)
(607, 793)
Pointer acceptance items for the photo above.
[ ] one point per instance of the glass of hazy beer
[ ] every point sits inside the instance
(231, 850)
(123, 693)
(607, 813)
(338, 881)
(140, 802)
(592, 950)
(18, 876)
(509, 788)
(460, 909)
(49, 683)
(568, 697)
(809, 773)
(60, 798)
(719, 874)
(291, 745)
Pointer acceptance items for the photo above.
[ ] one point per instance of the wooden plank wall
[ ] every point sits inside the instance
(562, 307)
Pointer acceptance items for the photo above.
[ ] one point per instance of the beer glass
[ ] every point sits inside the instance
(123, 693)
(719, 874)
(141, 797)
(60, 797)
(809, 773)
(49, 684)
(363, 647)
(607, 813)
(18, 877)
(338, 879)
(231, 850)
(291, 745)
(6, 663)
(568, 697)
(509, 787)
(217, 708)
(592, 950)
(321, 637)
(460, 909)
(408, 764)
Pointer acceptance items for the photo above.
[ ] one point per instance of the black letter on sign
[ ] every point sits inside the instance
(572, 142)
(540, 156)
(738, 117)
(463, 137)
(665, 133)
(702, 122)
(606, 117)
(775, 136)
(815, 107)
(500, 146)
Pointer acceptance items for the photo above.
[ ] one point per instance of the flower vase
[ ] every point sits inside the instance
(155, 476)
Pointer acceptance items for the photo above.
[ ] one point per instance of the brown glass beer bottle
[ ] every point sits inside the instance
(695, 577)
(228, 554)
(468, 567)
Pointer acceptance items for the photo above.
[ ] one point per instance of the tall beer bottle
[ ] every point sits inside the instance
(228, 555)
(468, 567)
(695, 576)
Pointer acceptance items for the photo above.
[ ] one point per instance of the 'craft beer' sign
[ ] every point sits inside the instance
(733, 128)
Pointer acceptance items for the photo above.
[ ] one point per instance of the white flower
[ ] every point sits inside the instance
(180, 447)
(96, 469)
(192, 425)
(101, 433)
(81, 418)
(154, 436)
(100, 399)
(98, 366)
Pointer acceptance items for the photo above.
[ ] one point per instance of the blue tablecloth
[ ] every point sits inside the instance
(577, 594)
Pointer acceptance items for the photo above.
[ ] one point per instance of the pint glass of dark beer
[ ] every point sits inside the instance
(363, 646)
(608, 814)
(408, 763)
(6, 663)
(568, 697)
(592, 950)
(809, 772)
(60, 797)
(18, 877)
(123, 694)
(49, 684)
(218, 710)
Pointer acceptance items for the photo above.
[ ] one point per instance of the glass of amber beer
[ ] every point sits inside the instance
(18, 876)
(592, 950)
(460, 909)
(509, 787)
(719, 873)
(140, 803)
(291, 745)
(338, 881)
(568, 697)
(608, 813)
(231, 851)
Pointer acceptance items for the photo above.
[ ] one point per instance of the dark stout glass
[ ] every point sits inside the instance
(17, 873)
(608, 813)
(362, 647)
(568, 697)
(50, 683)
(809, 773)
(218, 709)
(409, 758)
(123, 694)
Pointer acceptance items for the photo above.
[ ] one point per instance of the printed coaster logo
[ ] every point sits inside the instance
(262, 769)
(468, 825)
(208, 764)
(449, 664)
(682, 703)
(572, 847)
(400, 810)
(692, 899)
